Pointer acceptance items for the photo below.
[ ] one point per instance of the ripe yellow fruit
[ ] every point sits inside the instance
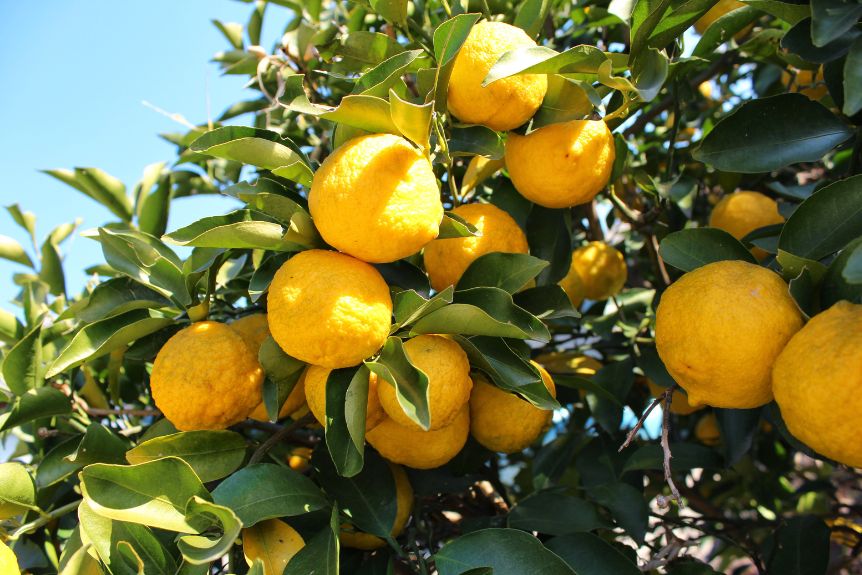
(719, 330)
(254, 329)
(817, 382)
(274, 542)
(8, 560)
(718, 10)
(561, 165)
(707, 431)
(501, 105)
(300, 459)
(446, 260)
(205, 377)
(420, 449)
(809, 83)
(376, 198)
(351, 537)
(503, 421)
(598, 271)
(741, 213)
(329, 309)
(679, 404)
(570, 363)
(315, 395)
(449, 383)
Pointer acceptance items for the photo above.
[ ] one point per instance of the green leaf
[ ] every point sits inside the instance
(549, 235)
(113, 297)
(51, 270)
(11, 329)
(723, 29)
(221, 526)
(346, 404)
(320, 554)
(106, 536)
(238, 229)
(649, 72)
(100, 186)
(412, 120)
(367, 498)
(265, 491)
(104, 336)
(35, 404)
(646, 17)
(17, 490)
(588, 554)
(830, 19)
(448, 39)
(211, 454)
(555, 513)
(79, 562)
(256, 147)
(97, 445)
(627, 506)
(738, 427)
(686, 456)
(565, 100)
(508, 369)
(282, 374)
(454, 226)
(677, 21)
(476, 141)
(692, 248)
(22, 367)
(770, 133)
(852, 272)
(26, 220)
(790, 13)
(154, 204)
(509, 272)
(541, 60)
(153, 493)
(531, 16)
(483, 311)
(826, 221)
(411, 383)
(232, 31)
(147, 260)
(853, 79)
(409, 306)
(394, 11)
(843, 278)
(379, 80)
(506, 551)
(798, 41)
(799, 547)
(546, 302)
(11, 250)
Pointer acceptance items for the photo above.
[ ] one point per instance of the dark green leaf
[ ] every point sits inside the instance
(843, 280)
(853, 80)
(282, 375)
(113, 297)
(506, 551)
(320, 554)
(264, 491)
(770, 133)
(649, 72)
(346, 404)
(738, 427)
(509, 272)
(587, 554)
(826, 221)
(409, 306)
(800, 547)
(555, 513)
(220, 525)
(692, 248)
(626, 504)
(798, 40)
(549, 235)
(546, 302)
(35, 404)
(476, 141)
(686, 456)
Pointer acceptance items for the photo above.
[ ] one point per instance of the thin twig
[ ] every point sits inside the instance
(100, 412)
(279, 436)
(633, 433)
(665, 447)
(44, 519)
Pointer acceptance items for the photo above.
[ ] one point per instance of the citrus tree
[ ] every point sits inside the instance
(476, 245)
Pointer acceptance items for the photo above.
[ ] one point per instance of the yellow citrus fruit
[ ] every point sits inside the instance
(315, 395)
(205, 377)
(352, 537)
(679, 404)
(719, 329)
(817, 382)
(254, 329)
(718, 10)
(809, 83)
(561, 165)
(300, 459)
(420, 449)
(376, 198)
(8, 560)
(274, 542)
(741, 213)
(449, 383)
(501, 105)
(446, 260)
(502, 421)
(598, 271)
(570, 363)
(329, 309)
(706, 431)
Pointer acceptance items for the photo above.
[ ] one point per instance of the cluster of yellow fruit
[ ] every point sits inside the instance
(731, 336)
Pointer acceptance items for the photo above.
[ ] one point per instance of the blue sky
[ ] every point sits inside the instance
(74, 76)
